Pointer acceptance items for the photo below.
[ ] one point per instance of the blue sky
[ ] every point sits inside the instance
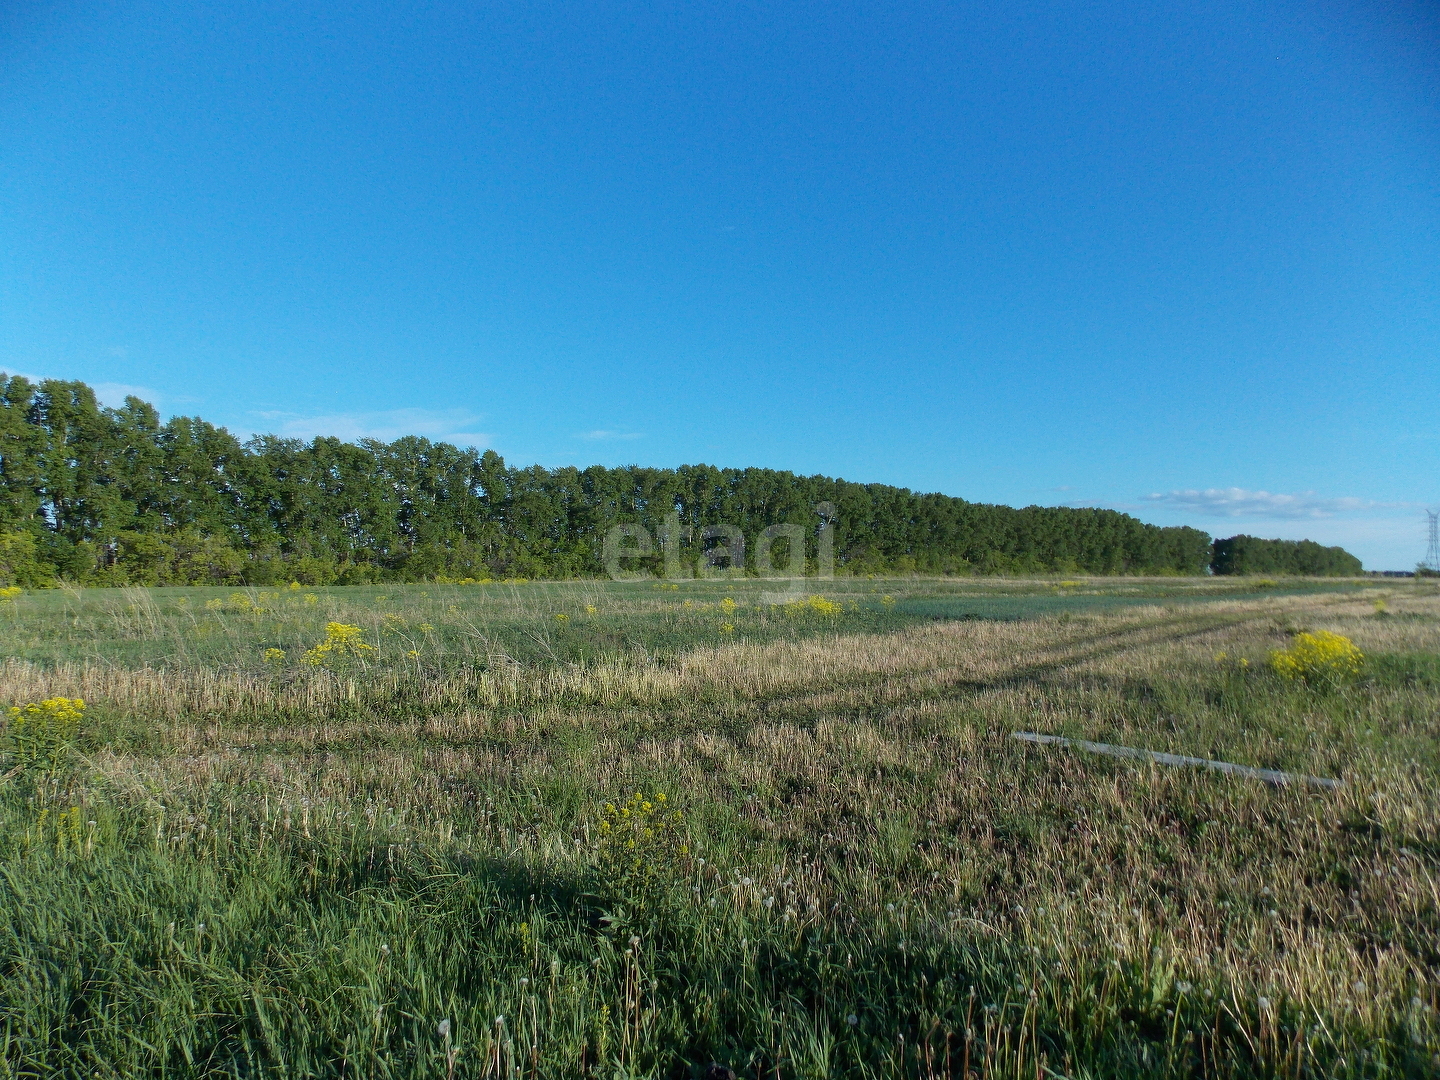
(1179, 259)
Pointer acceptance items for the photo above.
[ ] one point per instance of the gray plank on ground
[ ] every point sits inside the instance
(1270, 776)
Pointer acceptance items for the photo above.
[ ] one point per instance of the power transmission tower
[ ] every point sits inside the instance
(1432, 554)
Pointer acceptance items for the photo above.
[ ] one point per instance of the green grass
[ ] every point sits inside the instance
(484, 625)
(281, 870)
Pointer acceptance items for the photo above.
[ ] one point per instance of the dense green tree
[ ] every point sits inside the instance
(101, 495)
(22, 443)
(1251, 555)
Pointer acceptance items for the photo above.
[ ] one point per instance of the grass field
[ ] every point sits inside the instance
(419, 851)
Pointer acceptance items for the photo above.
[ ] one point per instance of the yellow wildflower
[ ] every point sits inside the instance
(341, 641)
(40, 732)
(1318, 656)
(638, 843)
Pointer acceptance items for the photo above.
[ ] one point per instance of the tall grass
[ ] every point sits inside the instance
(247, 870)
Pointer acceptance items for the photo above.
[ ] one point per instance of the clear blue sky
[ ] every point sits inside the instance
(1181, 259)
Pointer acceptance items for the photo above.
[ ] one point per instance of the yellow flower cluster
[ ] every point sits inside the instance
(814, 603)
(640, 836)
(8, 594)
(274, 656)
(1317, 657)
(341, 642)
(57, 714)
(40, 731)
(728, 605)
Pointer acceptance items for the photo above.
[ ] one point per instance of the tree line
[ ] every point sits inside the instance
(97, 495)
(1251, 555)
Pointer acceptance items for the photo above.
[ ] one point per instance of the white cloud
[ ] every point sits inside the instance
(1240, 502)
(604, 435)
(442, 425)
(1385, 535)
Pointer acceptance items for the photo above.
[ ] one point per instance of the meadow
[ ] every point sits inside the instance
(595, 829)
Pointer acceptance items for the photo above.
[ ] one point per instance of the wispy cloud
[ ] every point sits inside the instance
(610, 435)
(1241, 502)
(445, 425)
